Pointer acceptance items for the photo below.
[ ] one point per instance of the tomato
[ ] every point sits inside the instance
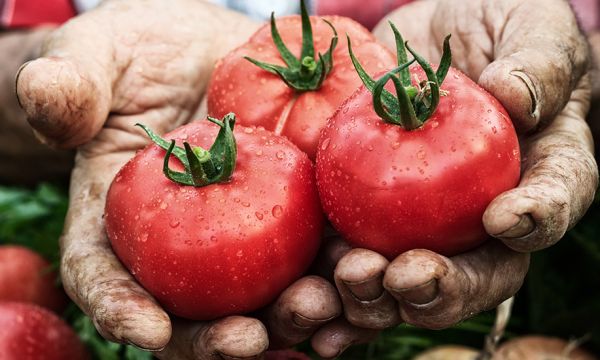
(225, 248)
(30, 332)
(26, 277)
(391, 189)
(261, 98)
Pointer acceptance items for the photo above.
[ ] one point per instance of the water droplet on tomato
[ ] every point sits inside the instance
(277, 211)
(143, 237)
(280, 155)
(174, 224)
(245, 204)
(239, 253)
(258, 215)
(163, 205)
(248, 130)
(396, 145)
(421, 154)
(259, 152)
(325, 144)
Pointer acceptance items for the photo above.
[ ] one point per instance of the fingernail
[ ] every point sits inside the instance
(524, 227)
(17, 81)
(367, 290)
(534, 111)
(420, 295)
(45, 140)
(305, 322)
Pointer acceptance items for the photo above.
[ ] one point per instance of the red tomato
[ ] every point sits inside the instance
(26, 277)
(226, 248)
(262, 99)
(391, 190)
(30, 332)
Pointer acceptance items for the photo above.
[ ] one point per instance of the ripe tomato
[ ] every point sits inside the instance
(261, 98)
(389, 189)
(26, 277)
(221, 249)
(30, 332)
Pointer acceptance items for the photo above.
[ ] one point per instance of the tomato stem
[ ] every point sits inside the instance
(202, 167)
(306, 73)
(412, 105)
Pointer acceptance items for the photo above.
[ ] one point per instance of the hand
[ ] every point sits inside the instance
(536, 66)
(148, 62)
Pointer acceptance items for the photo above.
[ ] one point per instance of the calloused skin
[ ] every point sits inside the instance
(540, 74)
(148, 61)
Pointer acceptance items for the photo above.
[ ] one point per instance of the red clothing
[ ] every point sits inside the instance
(30, 13)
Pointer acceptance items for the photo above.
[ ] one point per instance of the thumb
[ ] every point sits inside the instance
(536, 66)
(66, 94)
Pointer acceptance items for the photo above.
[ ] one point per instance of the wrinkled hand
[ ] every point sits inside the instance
(532, 57)
(148, 62)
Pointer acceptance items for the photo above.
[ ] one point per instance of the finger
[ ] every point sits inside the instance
(409, 21)
(234, 337)
(358, 277)
(66, 94)
(536, 66)
(333, 248)
(92, 275)
(437, 292)
(560, 177)
(300, 310)
(334, 338)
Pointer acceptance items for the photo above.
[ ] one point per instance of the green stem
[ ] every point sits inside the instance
(202, 167)
(411, 106)
(306, 73)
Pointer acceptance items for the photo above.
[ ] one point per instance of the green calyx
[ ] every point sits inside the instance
(412, 105)
(308, 72)
(202, 167)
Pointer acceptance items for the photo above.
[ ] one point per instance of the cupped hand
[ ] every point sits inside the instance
(533, 58)
(102, 72)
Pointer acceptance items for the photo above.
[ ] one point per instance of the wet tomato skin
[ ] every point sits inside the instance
(226, 248)
(260, 98)
(392, 190)
(29, 332)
